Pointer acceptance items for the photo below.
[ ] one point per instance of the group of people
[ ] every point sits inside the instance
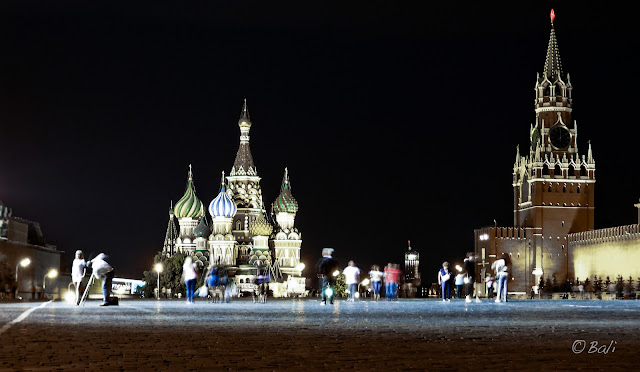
(464, 280)
(101, 271)
(328, 269)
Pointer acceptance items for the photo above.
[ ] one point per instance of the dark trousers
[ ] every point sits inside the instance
(106, 286)
(469, 287)
(327, 283)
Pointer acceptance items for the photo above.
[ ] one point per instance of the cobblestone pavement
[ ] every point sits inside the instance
(302, 335)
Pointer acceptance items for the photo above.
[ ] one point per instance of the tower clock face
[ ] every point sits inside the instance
(560, 137)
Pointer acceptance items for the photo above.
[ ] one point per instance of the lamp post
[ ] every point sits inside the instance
(53, 273)
(158, 269)
(24, 263)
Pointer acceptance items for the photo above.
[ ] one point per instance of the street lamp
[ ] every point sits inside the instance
(158, 269)
(365, 283)
(51, 274)
(24, 263)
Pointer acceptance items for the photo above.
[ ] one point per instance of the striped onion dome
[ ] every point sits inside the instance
(285, 202)
(189, 205)
(202, 230)
(260, 227)
(222, 205)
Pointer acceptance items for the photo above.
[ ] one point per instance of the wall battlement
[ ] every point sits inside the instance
(617, 233)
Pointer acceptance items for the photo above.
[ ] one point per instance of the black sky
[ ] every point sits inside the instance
(396, 123)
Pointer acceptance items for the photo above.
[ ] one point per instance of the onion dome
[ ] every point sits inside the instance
(260, 227)
(189, 205)
(244, 120)
(285, 202)
(222, 205)
(202, 230)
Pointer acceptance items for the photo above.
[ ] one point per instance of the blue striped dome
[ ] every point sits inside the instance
(222, 206)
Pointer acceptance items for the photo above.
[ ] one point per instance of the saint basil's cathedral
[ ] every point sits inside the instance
(241, 236)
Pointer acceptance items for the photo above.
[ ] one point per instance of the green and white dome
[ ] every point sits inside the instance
(189, 205)
(285, 202)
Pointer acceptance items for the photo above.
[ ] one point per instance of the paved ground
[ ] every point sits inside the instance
(302, 335)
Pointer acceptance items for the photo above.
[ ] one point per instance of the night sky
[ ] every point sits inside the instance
(396, 123)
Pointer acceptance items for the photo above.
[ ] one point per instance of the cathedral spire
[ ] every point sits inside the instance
(243, 165)
(553, 65)
(169, 248)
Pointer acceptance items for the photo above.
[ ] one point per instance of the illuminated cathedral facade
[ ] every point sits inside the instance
(240, 234)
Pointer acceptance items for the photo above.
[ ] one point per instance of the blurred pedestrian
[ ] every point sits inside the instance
(459, 284)
(391, 280)
(78, 271)
(375, 276)
(502, 275)
(470, 270)
(103, 271)
(189, 276)
(444, 276)
(489, 282)
(351, 275)
(326, 268)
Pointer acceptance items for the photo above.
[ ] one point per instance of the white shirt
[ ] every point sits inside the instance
(100, 266)
(376, 275)
(351, 274)
(500, 267)
(189, 272)
(77, 270)
(460, 279)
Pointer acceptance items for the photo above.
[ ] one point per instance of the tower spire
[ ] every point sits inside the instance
(553, 65)
(243, 165)
(222, 181)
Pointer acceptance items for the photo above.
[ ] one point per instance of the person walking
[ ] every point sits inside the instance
(444, 276)
(470, 270)
(459, 284)
(351, 275)
(502, 275)
(325, 268)
(391, 279)
(103, 271)
(189, 276)
(78, 271)
(375, 276)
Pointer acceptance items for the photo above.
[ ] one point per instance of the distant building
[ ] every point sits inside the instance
(20, 239)
(412, 279)
(241, 235)
(553, 236)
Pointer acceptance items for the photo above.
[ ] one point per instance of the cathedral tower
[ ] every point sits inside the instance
(288, 239)
(222, 245)
(244, 188)
(189, 210)
(553, 186)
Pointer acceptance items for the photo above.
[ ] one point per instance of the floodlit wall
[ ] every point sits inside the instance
(606, 252)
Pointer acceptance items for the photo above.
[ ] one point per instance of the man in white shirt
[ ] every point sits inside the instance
(101, 269)
(351, 274)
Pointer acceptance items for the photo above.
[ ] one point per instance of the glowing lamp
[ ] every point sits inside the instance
(336, 273)
(300, 267)
(553, 15)
(458, 268)
(158, 268)
(25, 262)
(328, 292)
(70, 297)
(365, 282)
(52, 274)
